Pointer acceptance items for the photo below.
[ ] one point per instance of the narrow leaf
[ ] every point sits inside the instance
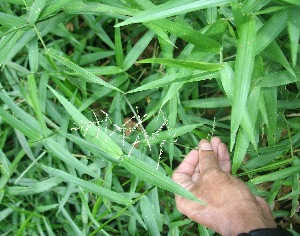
(149, 216)
(243, 72)
(281, 174)
(92, 131)
(172, 8)
(88, 76)
(155, 84)
(36, 103)
(94, 188)
(278, 78)
(207, 103)
(205, 66)
(137, 50)
(190, 35)
(294, 32)
(270, 30)
(63, 154)
(35, 11)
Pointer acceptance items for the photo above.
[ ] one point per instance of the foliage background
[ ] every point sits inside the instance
(185, 69)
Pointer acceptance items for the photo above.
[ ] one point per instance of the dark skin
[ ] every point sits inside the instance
(231, 207)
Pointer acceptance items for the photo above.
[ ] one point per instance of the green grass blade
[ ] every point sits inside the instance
(155, 177)
(36, 104)
(86, 145)
(251, 6)
(35, 11)
(172, 122)
(54, 6)
(292, 194)
(294, 32)
(211, 15)
(33, 55)
(34, 188)
(205, 66)
(6, 212)
(295, 184)
(207, 103)
(73, 225)
(27, 130)
(91, 187)
(172, 133)
(149, 216)
(101, 70)
(166, 80)
(227, 77)
(159, 32)
(288, 104)
(278, 78)
(270, 30)
(281, 174)
(98, 8)
(24, 225)
(7, 43)
(172, 8)
(270, 167)
(102, 92)
(86, 207)
(190, 35)
(94, 57)
(243, 73)
(63, 154)
(89, 77)
(137, 50)
(247, 133)
(241, 147)
(29, 167)
(119, 48)
(250, 116)
(270, 96)
(91, 131)
(25, 145)
(11, 21)
(21, 114)
(294, 2)
(97, 28)
(275, 53)
(171, 93)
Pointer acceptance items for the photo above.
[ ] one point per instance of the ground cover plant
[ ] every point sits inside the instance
(101, 100)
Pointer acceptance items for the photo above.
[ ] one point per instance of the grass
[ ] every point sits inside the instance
(101, 100)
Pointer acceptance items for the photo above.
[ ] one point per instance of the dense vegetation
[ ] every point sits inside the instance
(100, 100)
